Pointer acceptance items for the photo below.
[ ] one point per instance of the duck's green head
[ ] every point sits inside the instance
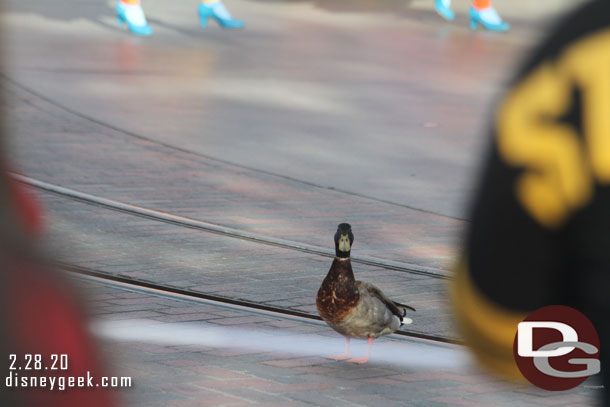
(344, 238)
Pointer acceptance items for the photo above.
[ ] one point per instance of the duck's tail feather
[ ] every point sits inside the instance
(405, 307)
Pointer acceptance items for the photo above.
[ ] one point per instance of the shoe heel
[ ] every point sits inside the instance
(203, 21)
(228, 23)
(444, 11)
(476, 19)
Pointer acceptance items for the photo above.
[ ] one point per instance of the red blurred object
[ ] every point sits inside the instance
(40, 314)
(45, 320)
(29, 208)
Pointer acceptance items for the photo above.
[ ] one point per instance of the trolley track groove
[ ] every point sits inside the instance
(162, 290)
(207, 227)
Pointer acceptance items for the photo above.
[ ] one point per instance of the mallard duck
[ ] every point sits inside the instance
(353, 308)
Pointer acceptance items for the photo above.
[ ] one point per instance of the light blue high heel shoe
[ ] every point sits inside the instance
(217, 11)
(442, 8)
(488, 18)
(133, 16)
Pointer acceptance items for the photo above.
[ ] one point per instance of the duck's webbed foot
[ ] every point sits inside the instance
(345, 355)
(364, 359)
(360, 361)
(342, 356)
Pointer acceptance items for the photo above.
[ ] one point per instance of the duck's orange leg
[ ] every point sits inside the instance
(345, 355)
(368, 354)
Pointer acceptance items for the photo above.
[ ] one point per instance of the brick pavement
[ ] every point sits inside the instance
(63, 148)
(139, 248)
(59, 147)
(191, 374)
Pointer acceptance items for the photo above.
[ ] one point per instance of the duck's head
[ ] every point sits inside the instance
(344, 238)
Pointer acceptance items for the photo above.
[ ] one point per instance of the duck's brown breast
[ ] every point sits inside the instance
(336, 299)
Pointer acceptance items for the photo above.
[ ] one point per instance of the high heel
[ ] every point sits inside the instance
(473, 24)
(218, 12)
(488, 18)
(133, 16)
(442, 8)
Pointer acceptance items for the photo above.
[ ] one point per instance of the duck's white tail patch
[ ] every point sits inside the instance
(406, 321)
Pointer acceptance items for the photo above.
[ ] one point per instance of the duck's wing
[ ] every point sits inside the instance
(396, 308)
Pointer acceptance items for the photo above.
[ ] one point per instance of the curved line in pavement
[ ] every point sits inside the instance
(220, 160)
(223, 230)
(188, 295)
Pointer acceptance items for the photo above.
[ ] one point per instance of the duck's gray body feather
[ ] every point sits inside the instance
(373, 316)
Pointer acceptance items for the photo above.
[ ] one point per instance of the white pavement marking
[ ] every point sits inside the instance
(283, 342)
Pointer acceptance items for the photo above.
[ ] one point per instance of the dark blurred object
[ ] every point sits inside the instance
(540, 231)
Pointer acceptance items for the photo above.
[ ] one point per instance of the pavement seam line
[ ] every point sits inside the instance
(223, 230)
(220, 160)
(177, 294)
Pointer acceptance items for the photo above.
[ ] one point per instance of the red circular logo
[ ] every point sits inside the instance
(556, 348)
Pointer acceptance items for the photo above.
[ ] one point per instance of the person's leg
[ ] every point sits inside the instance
(481, 4)
(131, 13)
(483, 13)
(443, 7)
(216, 10)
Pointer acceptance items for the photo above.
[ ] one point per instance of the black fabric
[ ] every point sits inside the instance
(584, 21)
(513, 259)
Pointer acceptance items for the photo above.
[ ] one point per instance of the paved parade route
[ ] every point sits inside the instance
(181, 353)
(264, 139)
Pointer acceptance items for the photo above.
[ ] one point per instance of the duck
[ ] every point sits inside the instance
(353, 308)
